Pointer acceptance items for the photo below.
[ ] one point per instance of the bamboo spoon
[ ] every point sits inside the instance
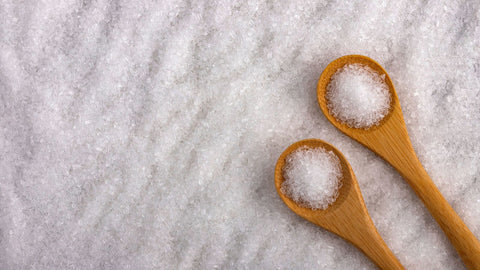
(390, 141)
(347, 217)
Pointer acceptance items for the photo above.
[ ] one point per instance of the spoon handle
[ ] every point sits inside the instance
(369, 241)
(397, 150)
(393, 144)
(464, 241)
(375, 248)
(352, 222)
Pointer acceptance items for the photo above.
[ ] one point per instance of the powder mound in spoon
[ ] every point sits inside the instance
(358, 96)
(312, 177)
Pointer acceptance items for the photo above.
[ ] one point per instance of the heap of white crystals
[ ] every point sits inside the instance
(358, 96)
(144, 134)
(312, 177)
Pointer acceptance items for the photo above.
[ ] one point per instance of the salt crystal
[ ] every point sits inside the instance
(358, 96)
(168, 91)
(312, 177)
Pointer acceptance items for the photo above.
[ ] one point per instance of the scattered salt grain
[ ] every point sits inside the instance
(190, 103)
(358, 96)
(312, 177)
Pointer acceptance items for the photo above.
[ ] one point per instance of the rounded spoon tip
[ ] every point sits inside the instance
(337, 64)
(347, 178)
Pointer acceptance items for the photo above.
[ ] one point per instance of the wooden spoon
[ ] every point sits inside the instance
(347, 217)
(390, 141)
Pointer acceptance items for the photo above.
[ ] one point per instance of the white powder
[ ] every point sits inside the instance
(358, 96)
(144, 134)
(312, 177)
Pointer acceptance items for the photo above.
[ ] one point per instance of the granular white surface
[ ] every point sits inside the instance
(312, 177)
(358, 96)
(140, 135)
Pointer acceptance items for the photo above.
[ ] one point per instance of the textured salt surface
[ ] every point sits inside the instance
(358, 96)
(144, 135)
(312, 177)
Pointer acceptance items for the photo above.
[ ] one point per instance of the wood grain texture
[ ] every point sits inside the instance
(347, 217)
(390, 140)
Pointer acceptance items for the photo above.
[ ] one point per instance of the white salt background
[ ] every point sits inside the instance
(144, 135)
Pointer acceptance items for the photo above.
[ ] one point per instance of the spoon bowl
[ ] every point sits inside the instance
(347, 217)
(325, 80)
(389, 139)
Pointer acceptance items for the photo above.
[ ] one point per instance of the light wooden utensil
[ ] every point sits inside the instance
(390, 141)
(347, 217)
